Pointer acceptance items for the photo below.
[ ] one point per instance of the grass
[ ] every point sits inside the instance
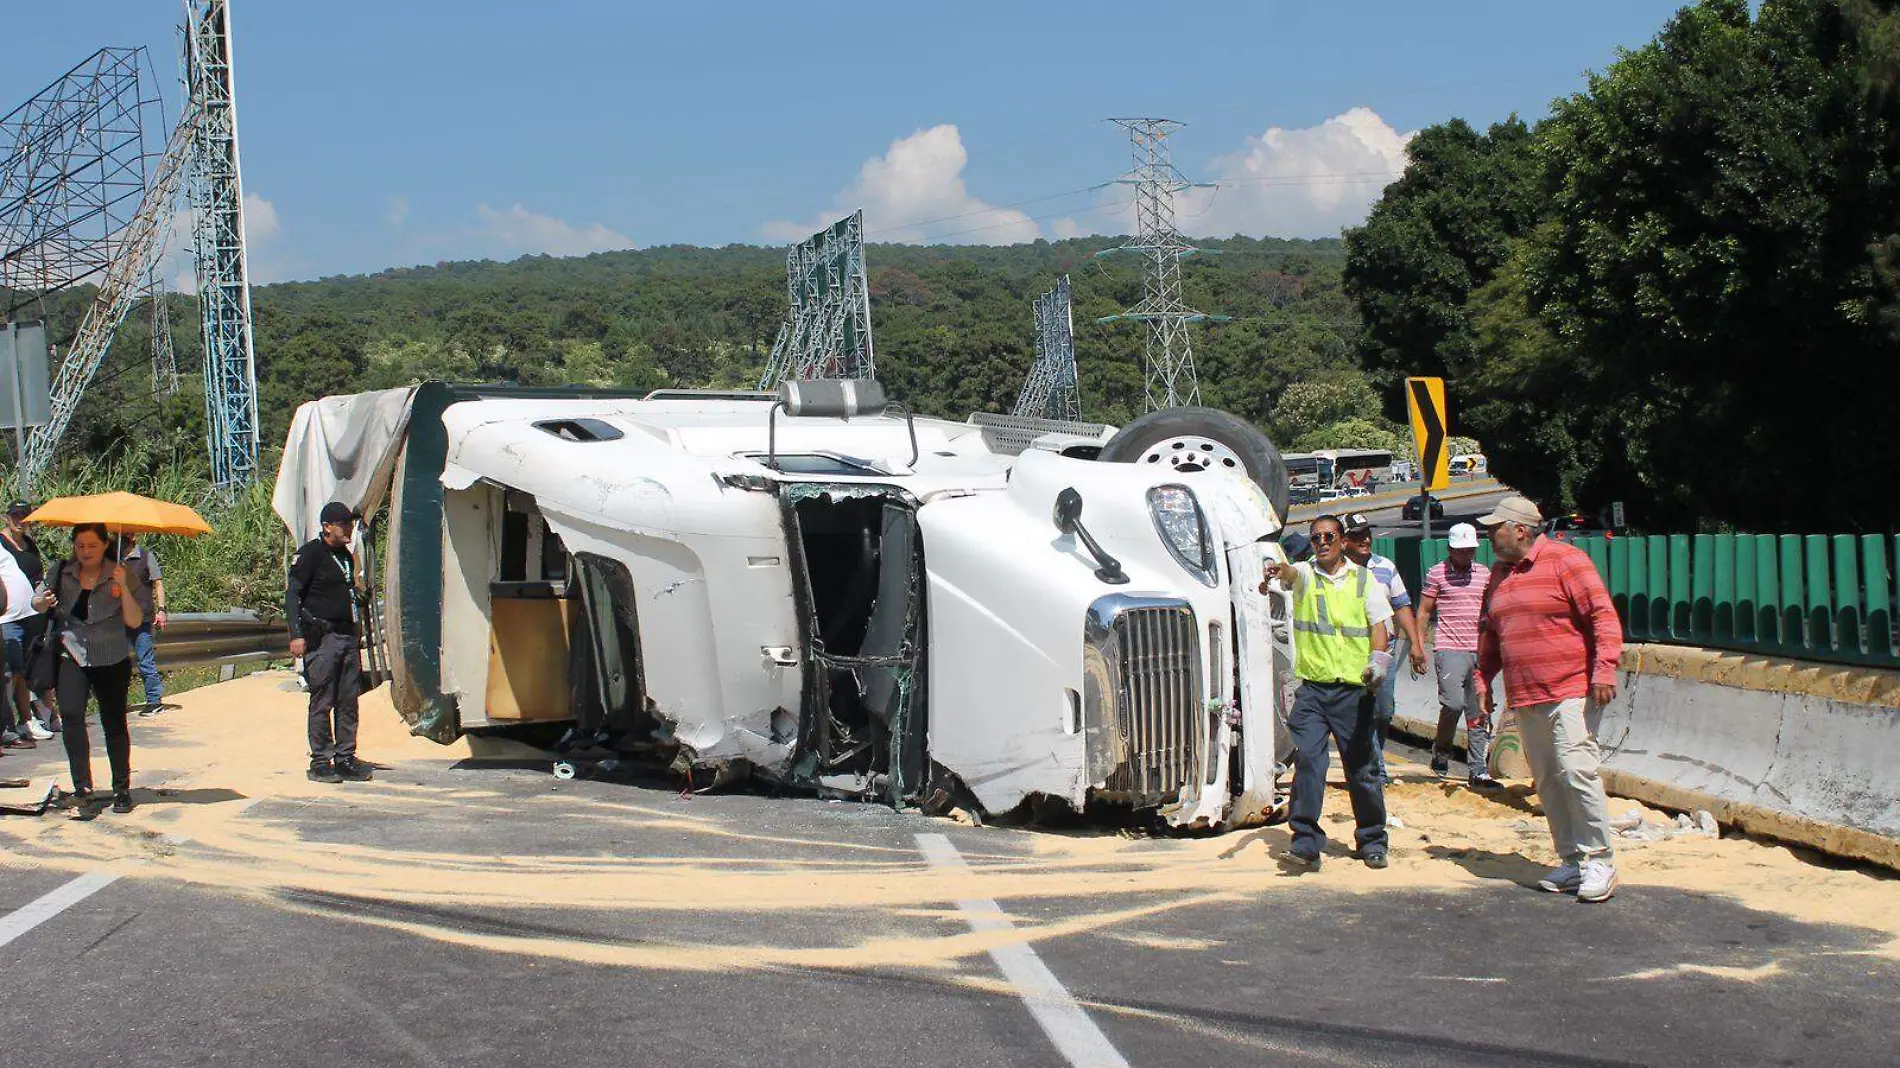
(240, 565)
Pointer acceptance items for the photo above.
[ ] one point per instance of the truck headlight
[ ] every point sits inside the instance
(1183, 529)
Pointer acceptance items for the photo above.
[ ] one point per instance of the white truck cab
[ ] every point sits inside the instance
(810, 588)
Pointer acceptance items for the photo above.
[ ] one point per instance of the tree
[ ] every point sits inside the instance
(1438, 233)
(1658, 294)
(1720, 206)
(1307, 406)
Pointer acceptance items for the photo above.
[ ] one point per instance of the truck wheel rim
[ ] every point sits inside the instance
(1190, 453)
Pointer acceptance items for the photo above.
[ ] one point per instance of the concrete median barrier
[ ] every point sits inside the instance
(1804, 752)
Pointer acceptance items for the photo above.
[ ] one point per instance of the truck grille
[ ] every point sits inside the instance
(1159, 714)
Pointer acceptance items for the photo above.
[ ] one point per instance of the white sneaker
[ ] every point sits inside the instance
(38, 732)
(1560, 880)
(1599, 881)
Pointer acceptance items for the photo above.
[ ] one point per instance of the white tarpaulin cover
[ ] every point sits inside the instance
(339, 449)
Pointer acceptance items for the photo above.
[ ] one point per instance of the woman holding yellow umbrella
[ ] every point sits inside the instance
(92, 605)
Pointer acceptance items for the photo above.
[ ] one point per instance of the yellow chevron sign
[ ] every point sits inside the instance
(1425, 398)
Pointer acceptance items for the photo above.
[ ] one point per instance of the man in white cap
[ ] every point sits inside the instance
(1550, 627)
(1448, 609)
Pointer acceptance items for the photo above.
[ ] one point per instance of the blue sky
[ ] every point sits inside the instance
(414, 131)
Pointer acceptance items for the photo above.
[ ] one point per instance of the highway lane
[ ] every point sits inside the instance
(1385, 515)
(462, 912)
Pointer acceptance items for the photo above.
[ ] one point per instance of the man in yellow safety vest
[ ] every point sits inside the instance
(1341, 628)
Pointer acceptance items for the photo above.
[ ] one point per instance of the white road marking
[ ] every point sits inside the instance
(43, 908)
(1075, 1035)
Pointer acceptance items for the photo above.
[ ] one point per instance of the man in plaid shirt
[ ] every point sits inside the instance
(1550, 628)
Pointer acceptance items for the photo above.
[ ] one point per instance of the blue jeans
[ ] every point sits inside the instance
(145, 648)
(1385, 702)
(1342, 713)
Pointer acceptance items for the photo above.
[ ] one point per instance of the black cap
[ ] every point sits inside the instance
(19, 509)
(336, 512)
(1357, 523)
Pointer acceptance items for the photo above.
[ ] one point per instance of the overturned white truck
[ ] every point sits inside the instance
(813, 588)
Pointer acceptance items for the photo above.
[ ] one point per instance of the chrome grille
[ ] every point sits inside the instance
(1159, 707)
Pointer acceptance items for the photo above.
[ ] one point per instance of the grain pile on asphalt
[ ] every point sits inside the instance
(232, 745)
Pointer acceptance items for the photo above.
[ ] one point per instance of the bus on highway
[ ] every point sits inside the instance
(1321, 475)
(1471, 463)
(1343, 469)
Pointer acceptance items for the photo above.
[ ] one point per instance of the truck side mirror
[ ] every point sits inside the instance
(1068, 517)
(1068, 510)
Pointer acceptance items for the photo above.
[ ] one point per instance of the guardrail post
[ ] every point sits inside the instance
(1618, 580)
(1819, 633)
(1747, 597)
(1879, 586)
(1847, 595)
(1681, 589)
(1792, 634)
(1658, 586)
(1722, 621)
(1767, 591)
(1702, 588)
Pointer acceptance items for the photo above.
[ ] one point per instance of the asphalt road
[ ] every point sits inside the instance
(1388, 523)
(488, 915)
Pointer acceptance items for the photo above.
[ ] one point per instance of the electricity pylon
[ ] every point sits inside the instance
(1169, 355)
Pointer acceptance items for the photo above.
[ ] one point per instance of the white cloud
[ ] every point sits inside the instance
(260, 221)
(398, 211)
(1309, 182)
(263, 252)
(914, 194)
(520, 232)
(1065, 228)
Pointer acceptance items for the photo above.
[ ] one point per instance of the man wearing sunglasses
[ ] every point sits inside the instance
(1341, 624)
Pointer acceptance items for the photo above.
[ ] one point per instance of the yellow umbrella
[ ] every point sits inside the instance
(121, 512)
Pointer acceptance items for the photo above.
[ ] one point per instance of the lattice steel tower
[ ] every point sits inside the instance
(1051, 392)
(1170, 353)
(827, 333)
(217, 201)
(78, 206)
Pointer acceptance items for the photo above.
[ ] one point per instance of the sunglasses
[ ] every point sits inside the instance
(1323, 537)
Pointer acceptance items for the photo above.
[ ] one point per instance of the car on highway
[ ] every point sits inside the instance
(809, 588)
(1414, 508)
(1576, 524)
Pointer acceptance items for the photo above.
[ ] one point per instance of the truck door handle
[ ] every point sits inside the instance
(782, 655)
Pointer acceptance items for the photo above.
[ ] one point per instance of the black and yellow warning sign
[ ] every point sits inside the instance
(1425, 397)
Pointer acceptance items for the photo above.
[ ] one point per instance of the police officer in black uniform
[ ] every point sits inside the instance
(321, 607)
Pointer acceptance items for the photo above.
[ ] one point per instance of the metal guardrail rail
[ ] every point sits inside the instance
(211, 639)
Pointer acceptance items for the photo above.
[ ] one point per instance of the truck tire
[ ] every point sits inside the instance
(1191, 440)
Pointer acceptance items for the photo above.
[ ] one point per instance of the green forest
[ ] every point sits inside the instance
(952, 327)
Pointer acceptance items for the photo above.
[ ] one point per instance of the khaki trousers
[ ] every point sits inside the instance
(1561, 746)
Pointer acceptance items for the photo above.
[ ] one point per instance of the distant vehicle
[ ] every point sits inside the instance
(1414, 507)
(1356, 491)
(1574, 525)
(1471, 463)
(1341, 468)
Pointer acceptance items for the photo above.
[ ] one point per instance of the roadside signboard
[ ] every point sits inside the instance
(24, 381)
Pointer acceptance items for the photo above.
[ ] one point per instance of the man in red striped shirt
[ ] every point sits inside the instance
(1550, 627)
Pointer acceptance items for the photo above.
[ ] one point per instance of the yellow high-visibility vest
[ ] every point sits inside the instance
(1332, 640)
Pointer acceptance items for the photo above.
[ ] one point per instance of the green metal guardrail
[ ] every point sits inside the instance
(1809, 596)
